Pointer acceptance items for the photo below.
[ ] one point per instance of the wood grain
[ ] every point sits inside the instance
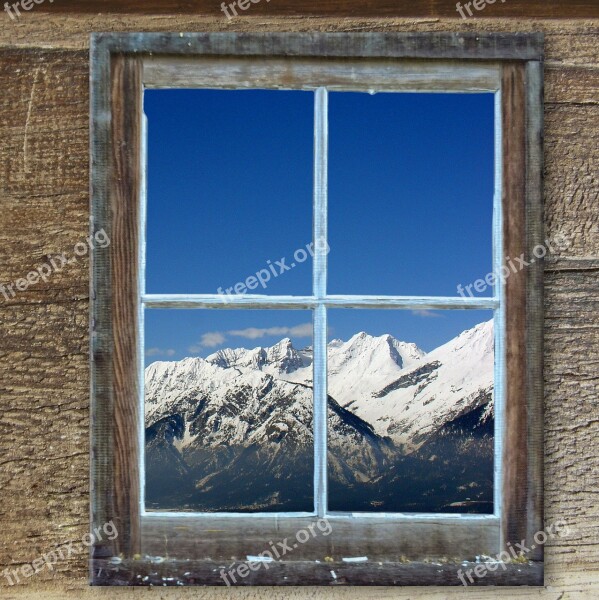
(571, 174)
(300, 573)
(515, 436)
(535, 243)
(555, 9)
(126, 135)
(44, 422)
(379, 539)
(566, 42)
(471, 45)
(336, 74)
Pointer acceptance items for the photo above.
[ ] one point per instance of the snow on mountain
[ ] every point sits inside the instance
(234, 430)
(436, 388)
(403, 392)
(221, 436)
(364, 363)
(277, 360)
(234, 407)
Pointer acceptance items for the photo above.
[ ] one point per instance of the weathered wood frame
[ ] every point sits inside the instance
(189, 549)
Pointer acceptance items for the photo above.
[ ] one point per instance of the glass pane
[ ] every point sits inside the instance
(410, 192)
(229, 191)
(411, 411)
(228, 410)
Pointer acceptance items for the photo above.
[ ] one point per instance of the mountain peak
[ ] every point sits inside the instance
(384, 346)
(227, 358)
(281, 357)
(401, 390)
(284, 356)
(360, 337)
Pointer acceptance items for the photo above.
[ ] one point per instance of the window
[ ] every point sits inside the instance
(163, 476)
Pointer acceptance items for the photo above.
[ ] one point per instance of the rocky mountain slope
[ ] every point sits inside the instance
(407, 430)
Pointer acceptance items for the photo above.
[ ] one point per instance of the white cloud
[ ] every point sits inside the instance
(217, 338)
(208, 340)
(425, 312)
(160, 352)
(254, 333)
(304, 330)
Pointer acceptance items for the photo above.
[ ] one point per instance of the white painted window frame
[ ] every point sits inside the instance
(320, 77)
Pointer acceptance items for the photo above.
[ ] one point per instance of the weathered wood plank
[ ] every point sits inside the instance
(126, 123)
(568, 43)
(336, 74)
(515, 435)
(32, 142)
(587, 265)
(336, 574)
(44, 421)
(416, 8)
(44, 425)
(441, 45)
(534, 302)
(114, 205)
(101, 340)
(573, 583)
(571, 412)
(572, 179)
(379, 538)
(572, 85)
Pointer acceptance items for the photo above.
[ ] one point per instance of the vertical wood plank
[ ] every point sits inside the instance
(101, 438)
(535, 317)
(127, 114)
(515, 445)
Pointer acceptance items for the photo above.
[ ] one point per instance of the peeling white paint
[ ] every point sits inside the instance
(355, 559)
(259, 558)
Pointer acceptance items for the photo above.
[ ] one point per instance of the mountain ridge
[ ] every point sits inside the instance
(242, 412)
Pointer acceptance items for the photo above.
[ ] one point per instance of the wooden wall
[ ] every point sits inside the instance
(44, 467)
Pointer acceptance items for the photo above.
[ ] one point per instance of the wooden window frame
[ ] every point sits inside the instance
(179, 548)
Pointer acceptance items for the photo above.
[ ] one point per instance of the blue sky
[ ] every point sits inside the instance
(230, 195)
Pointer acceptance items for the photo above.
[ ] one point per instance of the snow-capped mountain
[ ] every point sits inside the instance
(278, 359)
(233, 431)
(431, 389)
